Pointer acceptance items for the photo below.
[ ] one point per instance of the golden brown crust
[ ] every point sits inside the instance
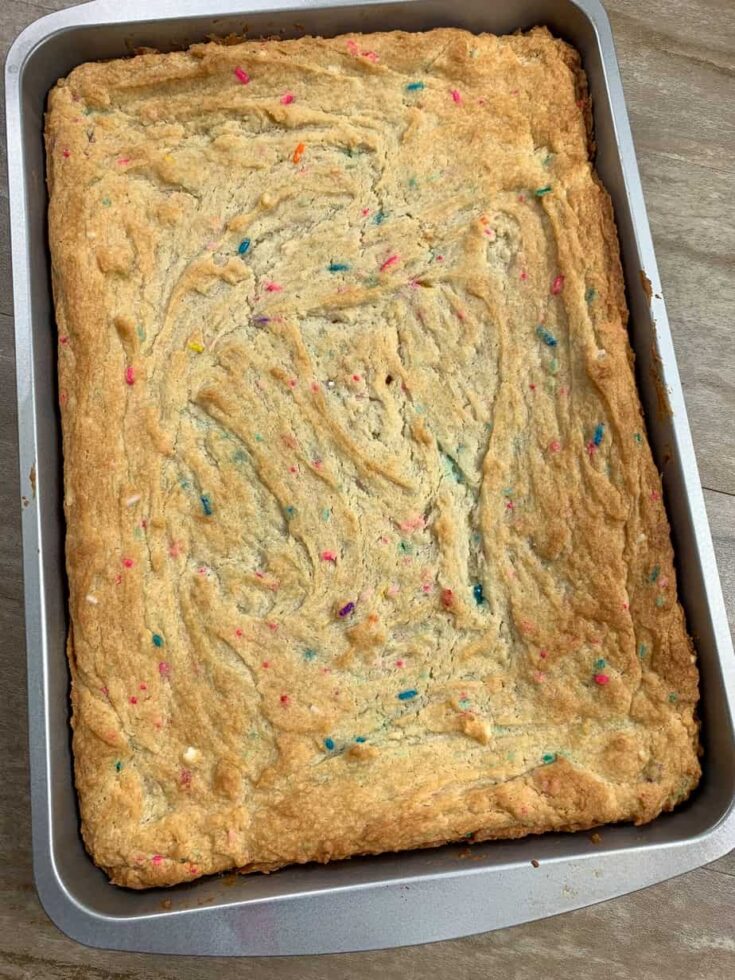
(366, 547)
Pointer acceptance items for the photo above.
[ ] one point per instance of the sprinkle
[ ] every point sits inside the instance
(379, 217)
(548, 757)
(599, 432)
(637, 437)
(554, 446)
(406, 695)
(602, 679)
(600, 664)
(242, 76)
(539, 676)
(266, 664)
(673, 697)
(129, 375)
(393, 589)
(456, 95)
(360, 739)
(298, 152)
(273, 287)
(285, 699)
(642, 650)
(329, 744)
(118, 766)
(157, 640)
(290, 511)
(553, 367)
(660, 601)
(543, 654)
(309, 654)
(123, 161)
(391, 260)
(164, 668)
(156, 859)
(64, 340)
(260, 320)
(400, 663)
(185, 777)
(338, 267)
(548, 338)
(329, 556)
(478, 593)
(590, 294)
(106, 202)
(557, 285)
(542, 190)
(128, 562)
(273, 627)
(447, 598)
(346, 610)
(415, 86)
(655, 572)
(405, 548)
(243, 247)
(287, 98)
(524, 275)
(92, 600)
(196, 346)
(133, 699)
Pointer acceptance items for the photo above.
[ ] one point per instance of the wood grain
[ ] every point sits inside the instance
(678, 64)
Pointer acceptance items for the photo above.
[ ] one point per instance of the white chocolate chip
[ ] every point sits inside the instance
(191, 755)
(92, 599)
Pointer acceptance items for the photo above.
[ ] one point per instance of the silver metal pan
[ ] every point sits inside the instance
(396, 899)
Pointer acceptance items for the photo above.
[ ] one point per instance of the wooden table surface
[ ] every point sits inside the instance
(678, 64)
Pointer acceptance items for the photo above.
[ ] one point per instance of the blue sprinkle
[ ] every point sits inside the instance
(309, 654)
(407, 695)
(379, 217)
(290, 511)
(655, 572)
(414, 86)
(329, 743)
(478, 593)
(206, 504)
(338, 267)
(360, 738)
(548, 338)
(243, 246)
(599, 433)
(157, 640)
(590, 294)
(118, 766)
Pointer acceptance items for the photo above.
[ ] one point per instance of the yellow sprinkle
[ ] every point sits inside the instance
(195, 346)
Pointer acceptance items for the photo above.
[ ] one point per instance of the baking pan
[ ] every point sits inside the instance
(394, 899)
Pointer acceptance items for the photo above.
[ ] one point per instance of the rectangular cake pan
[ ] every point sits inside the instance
(397, 899)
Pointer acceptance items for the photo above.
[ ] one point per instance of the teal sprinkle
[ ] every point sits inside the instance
(451, 466)
(407, 695)
(290, 511)
(478, 593)
(542, 190)
(600, 663)
(477, 537)
(309, 654)
(157, 640)
(642, 650)
(259, 437)
(660, 601)
(464, 702)
(673, 697)
(414, 86)
(185, 484)
(547, 159)
(326, 514)
(548, 338)
(118, 766)
(240, 456)
(379, 217)
(507, 491)
(590, 294)
(360, 738)
(655, 572)
(405, 548)
(548, 757)
(553, 366)
(243, 247)
(338, 267)
(599, 433)
(413, 183)
(329, 743)
(140, 332)
(637, 437)
(206, 504)
(106, 202)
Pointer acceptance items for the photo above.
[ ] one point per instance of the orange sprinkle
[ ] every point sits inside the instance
(298, 152)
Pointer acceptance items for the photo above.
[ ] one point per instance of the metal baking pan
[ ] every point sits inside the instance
(383, 901)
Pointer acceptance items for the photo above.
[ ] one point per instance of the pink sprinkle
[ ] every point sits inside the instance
(105, 691)
(266, 664)
(118, 579)
(272, 626)
(601, 679)
(626, 606)
(383, 539)
(391, 260)
(521, 199)
(315, 386)
(539, 676)
(356, 377)
(554, 446)
(352, 46)
(365, 212)
(285, 699)
(242, 76)
(239, 633)
(524, 275)
(164, 669)
(394, 589)
(416, 523)
(293, 469)
(440, 258)
(663, 583)
(400, 663)
(185, 777)
(456, 95)
(123, 161)
(292, 382)
(509, 505)
(129, 375)
(193, 869)
(370, 55)
(128, 562)
(557, 285)
(543, 654)
(203, 570)
(564, 391)
(133, 699)
(66, 153)
(142, 687)
(259, 574)
(287, 98)
(532, 387)
(591, 448)
(64, 340)
(173, 549)
(273, 287)
(329, 556)
(156, 859)
(427, 587)
(655, 495)
(63, 397)
(317, 464)
(490, 232)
